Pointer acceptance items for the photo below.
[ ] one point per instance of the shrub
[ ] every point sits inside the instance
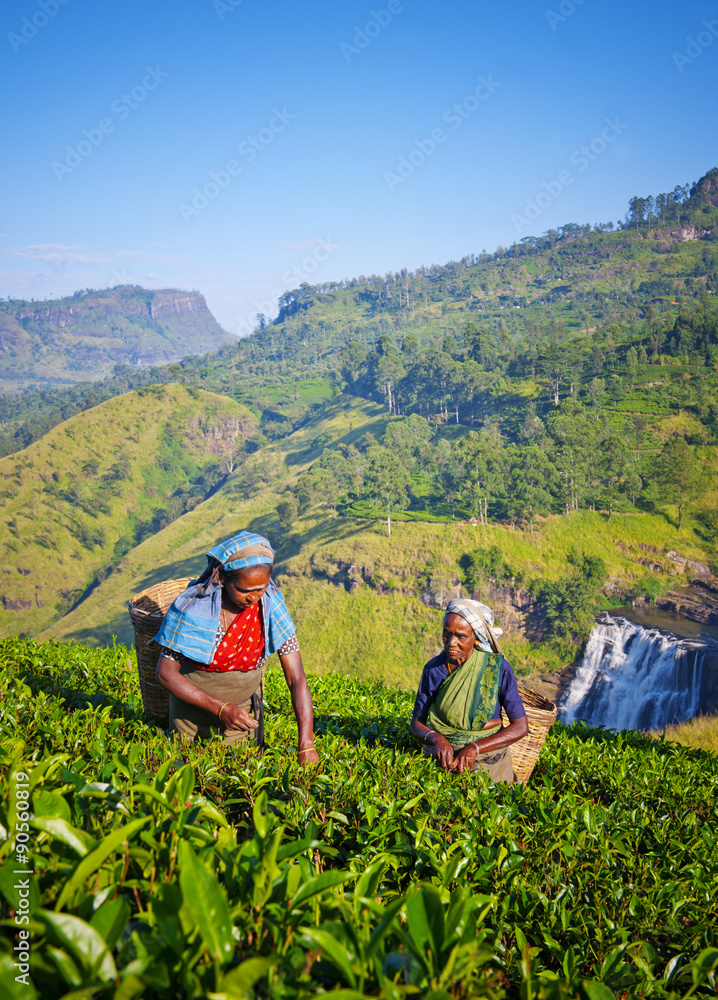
(485, 565)
(202, 871)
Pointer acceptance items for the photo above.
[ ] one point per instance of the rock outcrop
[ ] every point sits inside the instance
(84, 336)
(513, 607)
(698, 603)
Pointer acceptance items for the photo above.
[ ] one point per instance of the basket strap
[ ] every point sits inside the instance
(258, 712)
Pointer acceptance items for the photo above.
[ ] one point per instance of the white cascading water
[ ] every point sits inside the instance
(632, 677)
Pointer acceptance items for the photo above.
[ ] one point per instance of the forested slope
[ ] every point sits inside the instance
(581, 296)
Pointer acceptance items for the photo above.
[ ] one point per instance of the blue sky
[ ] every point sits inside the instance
(239, 148)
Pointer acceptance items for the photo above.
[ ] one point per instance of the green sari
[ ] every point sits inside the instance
(466, 700)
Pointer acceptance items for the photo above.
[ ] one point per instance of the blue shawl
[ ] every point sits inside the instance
(190, 625)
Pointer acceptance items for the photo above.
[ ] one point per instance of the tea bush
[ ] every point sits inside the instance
(167, 870)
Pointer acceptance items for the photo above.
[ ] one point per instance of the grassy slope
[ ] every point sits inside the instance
(700, 733)
(387, 635)
(177, 550)
(54, 533)
(394, 633)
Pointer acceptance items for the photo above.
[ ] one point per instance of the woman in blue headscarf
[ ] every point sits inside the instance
(216, 638)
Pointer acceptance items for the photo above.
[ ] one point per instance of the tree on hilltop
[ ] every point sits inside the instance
(287, 511)
(617, 470)
(531, 478)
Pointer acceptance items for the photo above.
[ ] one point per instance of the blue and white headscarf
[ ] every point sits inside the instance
(190, 626)
(242, 550)
(481, 619)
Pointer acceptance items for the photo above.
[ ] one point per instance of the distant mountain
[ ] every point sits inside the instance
(84, 336)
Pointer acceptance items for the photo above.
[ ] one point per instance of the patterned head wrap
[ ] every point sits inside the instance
(242, 550)
(480, 618)
(190, 625)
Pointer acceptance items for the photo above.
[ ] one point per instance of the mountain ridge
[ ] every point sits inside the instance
(526, 299)
(84, 336)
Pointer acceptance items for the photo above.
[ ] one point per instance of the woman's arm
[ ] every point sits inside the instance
(302, 704)
(440, 746)
(516, 730)
(169, 676)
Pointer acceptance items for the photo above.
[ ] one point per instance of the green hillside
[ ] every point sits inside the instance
(73, 503)
(247, 499)
(571, 295)
(538, 425)
(212, 873)
(366, 604)
(84, 336)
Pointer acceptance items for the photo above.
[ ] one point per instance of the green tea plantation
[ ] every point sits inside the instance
(170, 871)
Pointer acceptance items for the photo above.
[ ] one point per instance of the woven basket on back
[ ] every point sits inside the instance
(540, 714)
(147, 610)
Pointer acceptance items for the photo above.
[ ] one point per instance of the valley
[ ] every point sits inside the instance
(536, 427)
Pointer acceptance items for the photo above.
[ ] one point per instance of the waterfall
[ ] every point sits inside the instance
(631, 677)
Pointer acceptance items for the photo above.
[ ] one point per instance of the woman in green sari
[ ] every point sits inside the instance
(457, 714)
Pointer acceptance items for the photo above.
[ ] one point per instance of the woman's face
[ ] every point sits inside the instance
(459, 640)
(245, 587)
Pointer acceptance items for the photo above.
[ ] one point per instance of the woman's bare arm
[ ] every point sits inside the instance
(169, 676)
(515, 730)
(302, 704)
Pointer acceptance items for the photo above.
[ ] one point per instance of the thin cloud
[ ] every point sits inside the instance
(59, 255)
(56, 255)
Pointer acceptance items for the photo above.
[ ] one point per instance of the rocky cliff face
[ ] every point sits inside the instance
(698, 603)
(84, 336)
(687, 233)
(169, 304)
(514, 608)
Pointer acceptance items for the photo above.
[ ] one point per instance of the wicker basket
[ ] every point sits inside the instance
(541, 715)
(147, 610)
